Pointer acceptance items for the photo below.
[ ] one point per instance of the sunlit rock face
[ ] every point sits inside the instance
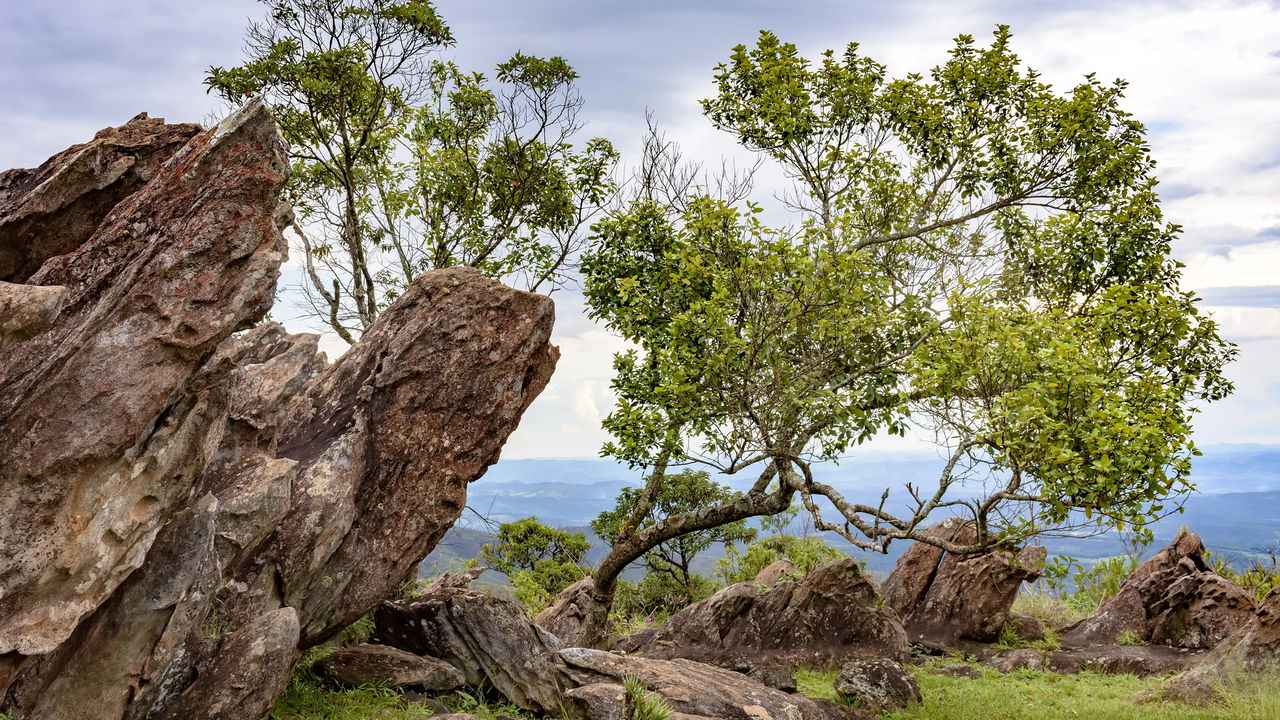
(181, 483)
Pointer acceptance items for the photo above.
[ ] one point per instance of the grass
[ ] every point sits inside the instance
(1033, 695)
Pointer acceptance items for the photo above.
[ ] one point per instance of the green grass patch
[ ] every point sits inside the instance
(1033, 695)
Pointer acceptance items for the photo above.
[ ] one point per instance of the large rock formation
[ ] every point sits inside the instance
(946, 600)
(1254, 648)
(1172, 599)
(178, 497)
(827, 618)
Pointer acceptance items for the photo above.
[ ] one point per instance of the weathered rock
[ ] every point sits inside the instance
(1171, 599)
(389, 667)
(1026, 627)
(778, 677)
(878, 685)
(693, 688)
(831, 616)
(778, 570)
(489, 639)
(1021, 659)
(1254, 648)
(55, 208)
(249, 673)
(945, 599)
(178, 497)
(598, 701)
(568, 614)
(1141, 660)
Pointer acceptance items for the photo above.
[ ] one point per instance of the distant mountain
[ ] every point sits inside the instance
(1235, 510)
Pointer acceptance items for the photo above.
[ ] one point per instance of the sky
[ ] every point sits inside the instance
(1204, 76)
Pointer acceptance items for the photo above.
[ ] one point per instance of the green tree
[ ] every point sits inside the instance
(806, 553)
(972, 253)
(404, 163)
(682, 492)
(540, 560)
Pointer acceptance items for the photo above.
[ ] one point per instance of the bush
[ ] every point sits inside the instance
(660, 594)
(1100, 582)
(806, 553)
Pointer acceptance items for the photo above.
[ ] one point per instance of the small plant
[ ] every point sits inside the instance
(1130, 637)
(645, 705)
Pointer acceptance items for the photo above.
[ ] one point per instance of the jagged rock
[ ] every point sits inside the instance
(55, 208)
(778, 677)
(454, 580)
(249, 673)
(693, 688)
(176, 495)
(598, 701)
(1141, 660)
(489, 639)
(1254, 648)
(831, 616)
(389, 667)
(566, 617)
(878, 685)
(945, 600)
(1021, 659)
(778, 570)
(1171, 599)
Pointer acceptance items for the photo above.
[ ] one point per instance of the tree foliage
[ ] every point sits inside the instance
(540, 560)
(403, 162)
(970, 253)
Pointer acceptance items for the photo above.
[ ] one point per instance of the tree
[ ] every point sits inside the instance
(972, 254)
(683, 492)
(806, 553)
(540, 560)
(404, 163)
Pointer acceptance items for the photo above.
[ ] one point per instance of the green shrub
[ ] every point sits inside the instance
(645, 705)
(1129, 637)
(806, 553)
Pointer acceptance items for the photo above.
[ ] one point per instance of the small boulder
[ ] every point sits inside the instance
(598, 701)
(878, 685)
(1140, 660)
(778, 677)
(1010, 660)
(777, 571)
(960, 670)
(388, 666)
(1027, 628)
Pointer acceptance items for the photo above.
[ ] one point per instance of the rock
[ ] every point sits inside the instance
(454, 580)
(489, 639)
(1171, 599)
(389, 667)
(1027, 628)
(598, 701)
(1022, 659)
(778, 677)
(878, 685)
(831, 616)
(945, 600)
(54, 209)
(961, 670)
(1254, 648)
(174, 488)
(1140, 660)
(693, 688)
(777, 571)
(249, 673)
(567, 615)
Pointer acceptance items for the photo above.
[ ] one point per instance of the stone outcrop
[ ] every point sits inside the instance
(1173, 599)
(490, 640)
(389, 667)
(690, 688)
(566, 617)
(831, 616)
(946, 600)
(878, 685)
(183, 488)
(778, 570)
(1254, 648)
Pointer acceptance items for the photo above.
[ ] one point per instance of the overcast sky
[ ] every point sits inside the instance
(1205, 78)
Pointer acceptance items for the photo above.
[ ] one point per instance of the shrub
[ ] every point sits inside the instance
(644, 704)
(806, 553)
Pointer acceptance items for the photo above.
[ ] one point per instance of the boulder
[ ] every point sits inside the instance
(946, 600)
(878, 685)
(831, 616)
(1020, 659)
(184, 487)
(1026, 627)
(693, 688)
(489, 639)
(389, 667)
(567, 615)
(778, 677)
(1140, 660)
(1254, 648)
(778, 570)
(960, 670)
(1171, 599)
(599, 701)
